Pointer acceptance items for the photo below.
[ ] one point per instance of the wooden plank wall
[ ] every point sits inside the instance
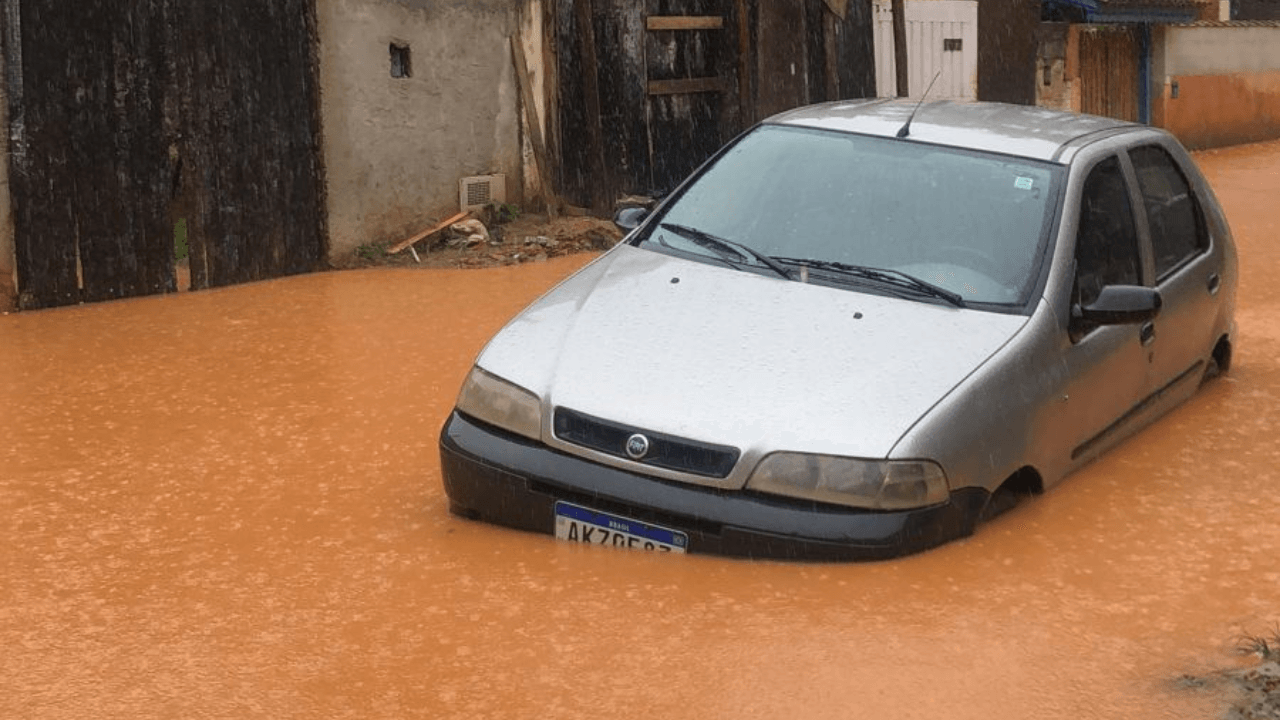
(679, 78)
(125, 117)
(89, 174)
(251, 182)
(1109, 57)
(691, 81)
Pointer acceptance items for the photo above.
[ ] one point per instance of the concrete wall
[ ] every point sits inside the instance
(395, 148)
(1057, 66)
(1217, 84)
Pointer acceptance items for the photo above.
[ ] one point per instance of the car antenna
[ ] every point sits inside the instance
(906, 127)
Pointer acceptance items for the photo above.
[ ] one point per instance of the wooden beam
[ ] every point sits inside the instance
(684, 22)
(426, 233)
(898, 7)
(528, 99)
(831, 67)
(684, 86)
(746, 98)
(551, 90)
(601, 182)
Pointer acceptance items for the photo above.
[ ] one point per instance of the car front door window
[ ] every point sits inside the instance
(1107, 240)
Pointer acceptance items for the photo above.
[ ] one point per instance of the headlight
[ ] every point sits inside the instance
(494, 400)
(874, 484)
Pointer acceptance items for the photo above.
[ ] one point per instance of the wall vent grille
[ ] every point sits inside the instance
(476, 192)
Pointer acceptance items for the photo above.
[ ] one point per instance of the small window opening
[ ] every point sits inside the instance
(952, 44)
(400, 65)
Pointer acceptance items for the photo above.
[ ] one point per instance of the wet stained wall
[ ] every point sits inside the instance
(396, 147)
(1211, 85)
(1216, 86)
(7, 264)
(1007, 50)
(87, 141)
(124, 119)
(643, 100)
(247, 172)
(1255, 10)
(228, 505)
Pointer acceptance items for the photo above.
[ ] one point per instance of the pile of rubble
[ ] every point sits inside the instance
(488, 241)
(527, 239)
(1259, 693)
(1253, 691)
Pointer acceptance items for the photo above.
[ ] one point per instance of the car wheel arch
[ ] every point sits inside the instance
(1025, 482)
(1221, 355)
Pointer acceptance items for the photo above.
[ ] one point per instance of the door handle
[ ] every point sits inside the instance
(1147, 334)
(1215, 282)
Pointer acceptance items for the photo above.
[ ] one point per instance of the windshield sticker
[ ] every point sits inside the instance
(1022, 183)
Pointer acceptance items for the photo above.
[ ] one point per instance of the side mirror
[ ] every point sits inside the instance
(1121, 305)
(629, 218)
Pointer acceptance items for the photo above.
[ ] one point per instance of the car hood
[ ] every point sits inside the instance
(722, 356)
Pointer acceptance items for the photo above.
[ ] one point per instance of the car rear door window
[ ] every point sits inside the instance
(1173, 215)
(1107, 241)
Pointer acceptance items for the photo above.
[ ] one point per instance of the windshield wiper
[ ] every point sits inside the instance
(715, 242)
(897, 278)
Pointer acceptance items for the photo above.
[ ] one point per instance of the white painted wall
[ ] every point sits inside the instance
(929, 22)
(395, 149)
(1220, 50)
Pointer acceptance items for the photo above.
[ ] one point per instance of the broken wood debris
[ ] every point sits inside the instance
(407, 242)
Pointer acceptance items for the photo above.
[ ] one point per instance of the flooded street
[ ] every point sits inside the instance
(228, 504)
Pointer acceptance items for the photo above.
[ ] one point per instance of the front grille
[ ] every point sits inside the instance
(665, 451)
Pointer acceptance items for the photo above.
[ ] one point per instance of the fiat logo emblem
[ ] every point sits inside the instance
(637, 446)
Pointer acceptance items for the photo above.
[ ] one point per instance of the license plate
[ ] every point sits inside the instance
(578, 524)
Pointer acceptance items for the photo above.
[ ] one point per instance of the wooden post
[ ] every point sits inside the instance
(829, 40)
(900, 47)
(528, 99)
(600, 182)
(746, 102)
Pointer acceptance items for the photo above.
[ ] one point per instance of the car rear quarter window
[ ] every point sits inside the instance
(1107, 242)
(1173, 215)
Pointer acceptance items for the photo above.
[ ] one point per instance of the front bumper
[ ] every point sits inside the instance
(510, 480)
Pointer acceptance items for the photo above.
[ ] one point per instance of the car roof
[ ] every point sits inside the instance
(1023, 130)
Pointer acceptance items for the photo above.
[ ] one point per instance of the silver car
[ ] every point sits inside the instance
(858, 331)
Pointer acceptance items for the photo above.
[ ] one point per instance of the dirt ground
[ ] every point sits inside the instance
(527, 238)
(1255, 690)
(1260, 693)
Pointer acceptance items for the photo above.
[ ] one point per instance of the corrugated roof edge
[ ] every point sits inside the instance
(1228, 23)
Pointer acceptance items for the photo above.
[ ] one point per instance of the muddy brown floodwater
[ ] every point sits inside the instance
(227, 504)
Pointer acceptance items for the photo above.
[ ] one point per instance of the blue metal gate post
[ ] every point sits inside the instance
(1144, 74)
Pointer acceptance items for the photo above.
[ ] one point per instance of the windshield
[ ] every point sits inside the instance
(971, 223)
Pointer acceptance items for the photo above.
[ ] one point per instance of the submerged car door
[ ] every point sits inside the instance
(1105, 365)
(1187, 274)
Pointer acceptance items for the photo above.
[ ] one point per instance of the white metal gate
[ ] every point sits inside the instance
(941, 35)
